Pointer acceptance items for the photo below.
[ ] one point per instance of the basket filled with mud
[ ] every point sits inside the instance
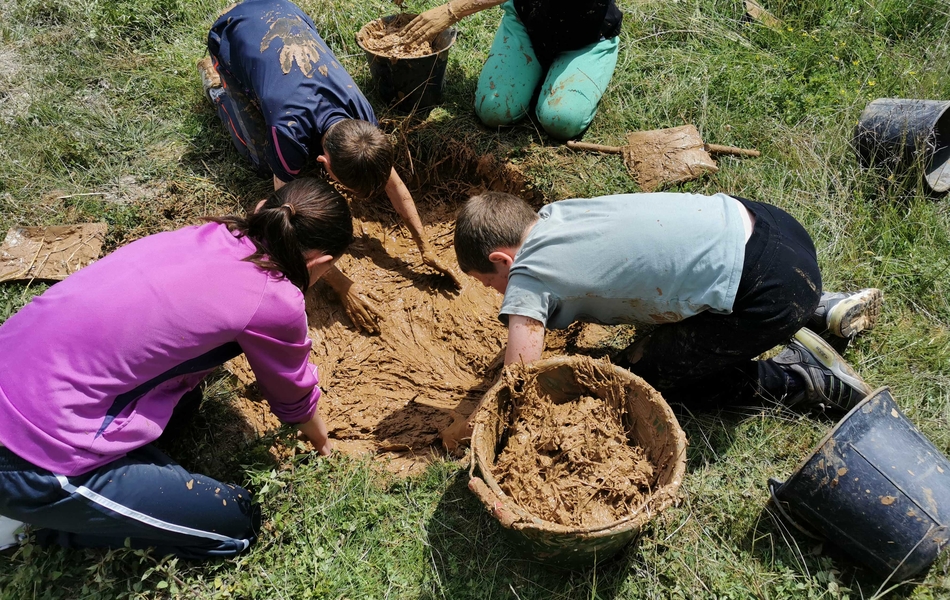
(410, 77)
(575, 455)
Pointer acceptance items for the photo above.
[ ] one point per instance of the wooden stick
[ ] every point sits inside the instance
(594, 147)
(717, 149)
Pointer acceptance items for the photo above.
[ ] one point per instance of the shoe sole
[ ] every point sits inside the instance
(858, 313)
(826, 355)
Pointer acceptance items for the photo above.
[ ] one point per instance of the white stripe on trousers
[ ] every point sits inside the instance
(142, 517)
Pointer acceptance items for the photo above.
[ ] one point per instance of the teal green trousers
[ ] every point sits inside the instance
(572, 88)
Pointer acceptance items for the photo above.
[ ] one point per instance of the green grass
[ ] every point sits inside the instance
(102, 118)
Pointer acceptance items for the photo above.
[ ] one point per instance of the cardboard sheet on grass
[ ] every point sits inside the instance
(391, 394)
(49, 253)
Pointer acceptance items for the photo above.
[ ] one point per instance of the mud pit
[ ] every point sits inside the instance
(439, 350)
(385, 39)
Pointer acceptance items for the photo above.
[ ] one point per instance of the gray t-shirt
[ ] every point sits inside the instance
(630, 258)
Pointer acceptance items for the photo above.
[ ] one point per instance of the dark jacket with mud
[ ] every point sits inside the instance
(273, 49)
(556, 26)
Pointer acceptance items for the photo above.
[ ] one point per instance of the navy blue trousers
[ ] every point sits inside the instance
(143, 496)
(243, 119)
(708, 358)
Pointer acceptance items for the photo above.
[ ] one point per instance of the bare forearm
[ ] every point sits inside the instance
(402, 201)
(437, 19)
(340, 283)
(525, 340)
(464, 8)
(316, 431)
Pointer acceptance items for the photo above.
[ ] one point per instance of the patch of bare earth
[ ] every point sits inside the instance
(440, 348)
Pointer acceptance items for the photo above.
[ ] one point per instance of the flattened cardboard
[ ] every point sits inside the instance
(49, 253)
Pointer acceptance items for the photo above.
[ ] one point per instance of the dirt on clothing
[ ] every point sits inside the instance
(385, 39)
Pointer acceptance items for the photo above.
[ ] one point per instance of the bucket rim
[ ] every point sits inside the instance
(453, 36)
(663, 496)
(824, 440)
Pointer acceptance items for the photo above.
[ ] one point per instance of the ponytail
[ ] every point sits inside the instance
(306, 214)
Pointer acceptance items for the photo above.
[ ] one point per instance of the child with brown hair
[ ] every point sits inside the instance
(286, 100)
(95, 366)
(721, 279)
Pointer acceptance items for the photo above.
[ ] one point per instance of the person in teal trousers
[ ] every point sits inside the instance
(567, 47)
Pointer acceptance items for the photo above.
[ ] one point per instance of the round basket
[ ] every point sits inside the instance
(648, 420)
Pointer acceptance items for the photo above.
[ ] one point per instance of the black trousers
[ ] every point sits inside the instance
(708, 358)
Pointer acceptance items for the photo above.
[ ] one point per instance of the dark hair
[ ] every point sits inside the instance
(305, 214)
(487, 222)
(361, 156)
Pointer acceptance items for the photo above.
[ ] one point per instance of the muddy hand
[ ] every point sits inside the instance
(429, 24)
(326, 449)
(458, 432)
(361, 312)
(430, 259)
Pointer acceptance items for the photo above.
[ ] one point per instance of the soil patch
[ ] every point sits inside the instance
(439, 350)
(384, 38)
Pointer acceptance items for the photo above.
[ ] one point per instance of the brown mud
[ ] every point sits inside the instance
(440, 348)
(571, 462)
(394, 392)
(385, 39)
(573, 444)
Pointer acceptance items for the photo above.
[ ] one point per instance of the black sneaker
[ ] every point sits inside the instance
(830, 383)
(846, 314)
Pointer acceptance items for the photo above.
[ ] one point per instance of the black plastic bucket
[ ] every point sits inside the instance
(414, 83)
(876, 487)
(898, 134)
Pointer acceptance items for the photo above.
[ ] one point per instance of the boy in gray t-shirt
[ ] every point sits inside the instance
(723, 279)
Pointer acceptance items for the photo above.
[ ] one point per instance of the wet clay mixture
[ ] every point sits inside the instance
(571, 462)
(386, 39)
(391, 394)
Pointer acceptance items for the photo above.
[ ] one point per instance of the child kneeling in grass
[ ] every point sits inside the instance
(94, 367)
(287, 103)
(723, 280)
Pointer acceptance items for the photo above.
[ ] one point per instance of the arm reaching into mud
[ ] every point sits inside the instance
(525, 340)
(525, 344)
(316, 431)
(402, 201)
(436, 20)
(361, 312)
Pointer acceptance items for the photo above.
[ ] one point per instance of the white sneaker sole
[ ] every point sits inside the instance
(858, 313)
(9, 532)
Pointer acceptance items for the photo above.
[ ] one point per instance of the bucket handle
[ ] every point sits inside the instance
(773, 483)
